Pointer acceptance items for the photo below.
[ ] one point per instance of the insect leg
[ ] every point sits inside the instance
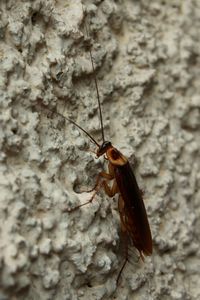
(124, 232)
(110, 191)
(121, 213)
(99, 176)
(97, 187)
(125, 260)
(109, 176)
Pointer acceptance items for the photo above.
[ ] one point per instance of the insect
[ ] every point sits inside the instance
(133, 216)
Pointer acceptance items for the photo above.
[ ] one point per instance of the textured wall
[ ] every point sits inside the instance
(147, 59)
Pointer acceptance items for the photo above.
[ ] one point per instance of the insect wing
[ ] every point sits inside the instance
(135, 216)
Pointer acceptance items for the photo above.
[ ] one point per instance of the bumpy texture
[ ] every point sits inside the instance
(146, 56)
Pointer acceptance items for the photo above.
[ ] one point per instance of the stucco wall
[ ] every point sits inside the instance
(147, 61)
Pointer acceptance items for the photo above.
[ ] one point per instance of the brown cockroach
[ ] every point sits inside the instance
(133, 216)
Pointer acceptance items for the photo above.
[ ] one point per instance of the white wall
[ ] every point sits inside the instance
(146, 55)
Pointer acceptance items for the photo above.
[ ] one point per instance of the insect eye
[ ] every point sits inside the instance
(115, 154)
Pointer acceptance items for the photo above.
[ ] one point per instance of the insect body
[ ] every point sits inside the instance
(131, 206)
(133, 216)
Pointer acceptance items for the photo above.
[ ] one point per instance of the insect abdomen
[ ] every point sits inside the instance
(135, 220)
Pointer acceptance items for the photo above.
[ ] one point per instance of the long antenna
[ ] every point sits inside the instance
(98, 99)
(74, 123)
(96, 85)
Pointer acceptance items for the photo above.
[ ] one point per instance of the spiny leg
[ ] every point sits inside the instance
(109, 191)
(109, 176)
(124, 232)
(126, 257)
(90, 200)
(99, 176)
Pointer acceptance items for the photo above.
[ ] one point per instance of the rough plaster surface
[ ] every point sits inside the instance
(147, 60)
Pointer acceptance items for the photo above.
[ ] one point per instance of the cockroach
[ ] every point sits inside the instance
(133, 216)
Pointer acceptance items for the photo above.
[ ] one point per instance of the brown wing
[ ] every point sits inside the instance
(135, 216)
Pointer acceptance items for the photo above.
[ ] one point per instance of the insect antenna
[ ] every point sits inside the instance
(74, 123)
(98, 99)
(96, 84)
